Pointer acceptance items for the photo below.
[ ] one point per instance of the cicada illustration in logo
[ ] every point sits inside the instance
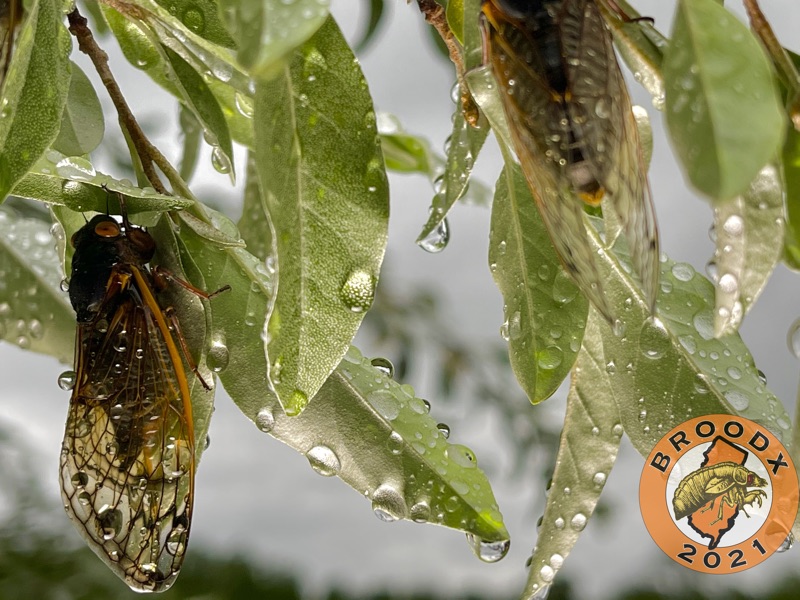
(719, 494)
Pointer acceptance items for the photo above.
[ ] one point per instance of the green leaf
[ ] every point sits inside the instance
(455, 18)
(749, 233)
(268, 31)
(406, 153)
(201, 17)
(375, 18)
(641, 46)
(587, 451)
(73, 182)
(667, 369)
(466, 141)
(791, 177)
(322, 175)
(192, 132)
(34, 92)
(545, 314)
(254, 224)
(198, 97)
(717, 79)
(82, 123)
(34, 313)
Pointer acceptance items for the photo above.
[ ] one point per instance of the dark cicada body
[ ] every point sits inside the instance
(128, 457)
(573, 130)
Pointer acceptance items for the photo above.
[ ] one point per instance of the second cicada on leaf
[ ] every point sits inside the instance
(128, 457)
(573, 130)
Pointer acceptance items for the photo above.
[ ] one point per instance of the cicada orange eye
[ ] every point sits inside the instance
(107, 229)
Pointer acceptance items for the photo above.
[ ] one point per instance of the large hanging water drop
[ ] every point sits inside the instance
(437, 240)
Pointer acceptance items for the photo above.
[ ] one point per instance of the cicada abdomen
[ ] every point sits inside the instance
(573, 130)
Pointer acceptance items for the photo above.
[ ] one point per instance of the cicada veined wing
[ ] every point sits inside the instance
(573, 131)
(128, 456)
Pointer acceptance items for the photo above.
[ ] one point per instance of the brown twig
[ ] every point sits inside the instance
(435, 16)
(788, 72)
(79, 27)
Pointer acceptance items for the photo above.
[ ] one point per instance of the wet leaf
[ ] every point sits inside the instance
(791, 177)
(586, 453)
(201, 17)
(73, 182)
(40, 71)
(717, 77)
(321, 171)
(545, 313)
(198, 97)
(34, 313)
(749, 232)
(667, 369)
(268, 31)
(254, 224)
(192, 135)
(466, 140)
(82, 123)
(406, 153)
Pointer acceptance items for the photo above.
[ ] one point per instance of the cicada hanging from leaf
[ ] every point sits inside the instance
(573, 131)
(128, 456)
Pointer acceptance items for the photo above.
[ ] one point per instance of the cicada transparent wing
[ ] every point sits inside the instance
(128, 456)
(573, 130)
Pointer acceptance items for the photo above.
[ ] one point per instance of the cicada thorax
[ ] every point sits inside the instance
(127, 463)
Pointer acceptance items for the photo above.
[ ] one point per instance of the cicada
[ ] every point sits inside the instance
(128, 456)
(573, 130)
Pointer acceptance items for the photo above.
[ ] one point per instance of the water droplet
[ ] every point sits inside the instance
(244, 105)
(703, 323)
(734, 225)
(762, 377)
(654, 339)
(444, 429)
(264, 420)
(220, 161)
(734, 373)
(737, 399)
(176, 541)
(599, 479)
(793, 338)
(218, 356)
(564, 290)
(395, 443)
(515, 326)
(617, 430)
(550, 357)
(384, 403)
(547, 573)
(388, 504)
(728, 283)
(194, 19)
(437, 240)
(109, 522)
(66, 381)
(358, 290)
(682, 271)
(578, 522)
(688, 342)
(559, 523)
(786, 544)
(324, 461)
(421, 512)
(80, 479)
(384, 365)
(611, 367)
(488, 551)
(462, 456)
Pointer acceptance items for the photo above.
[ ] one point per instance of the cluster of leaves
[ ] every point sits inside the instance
(279, 79)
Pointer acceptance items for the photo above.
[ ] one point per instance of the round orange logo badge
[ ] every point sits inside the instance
(719, 494)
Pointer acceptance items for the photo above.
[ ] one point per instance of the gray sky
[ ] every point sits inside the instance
(259, 498)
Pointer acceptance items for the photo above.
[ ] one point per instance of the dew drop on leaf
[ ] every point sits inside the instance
(384, 365)
(683, 271)
(437, 240)
(786, 544)
(444, 429)
(324, 461)
(578, 522)
(462, 456)
(219, 161)
(654, 340)
(218, 356)
(265, 421)
(358, 290)
(737, 399)
(388, 504)
(488, 551)
(547, 573)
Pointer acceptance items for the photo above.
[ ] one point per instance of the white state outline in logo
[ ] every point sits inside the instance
(743, 527)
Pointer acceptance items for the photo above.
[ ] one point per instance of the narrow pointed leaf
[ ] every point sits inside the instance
(254, 225)
(321, 171)
(375, 441)
(268, 31)
(791, 178)
(82, 122)
(374, 20)
(466, 140)
(717, 77)
(34, 92)
(192, 135)
(201, 17)
(671, 368)
(198, 97)
(750, 232)
(587, 451)
(545, 313)
(72, 181)
(34, 313)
